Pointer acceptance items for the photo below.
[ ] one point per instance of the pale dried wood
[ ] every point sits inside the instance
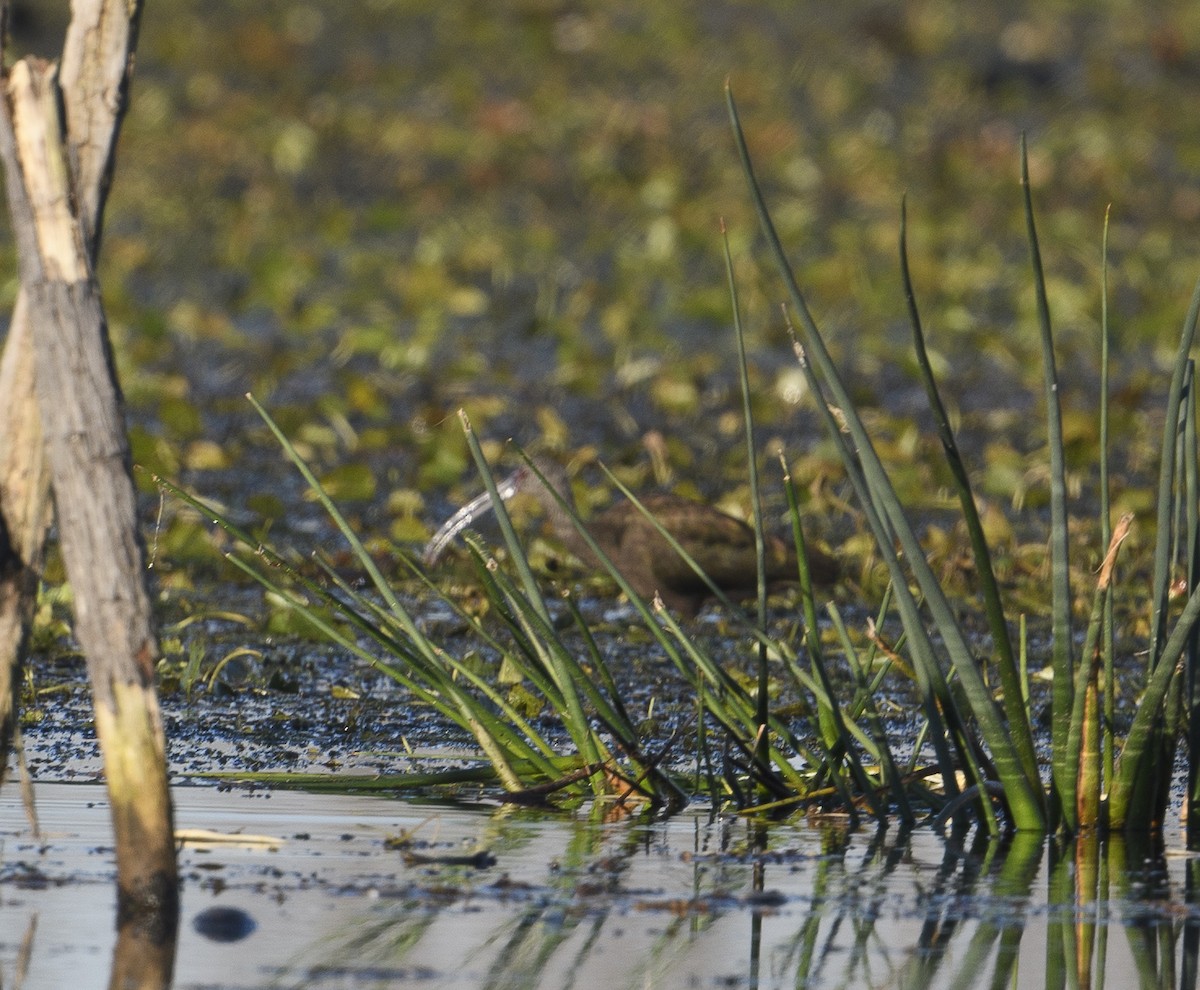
(97, 64)
(96, 67)
(87, 452)
(24, 510)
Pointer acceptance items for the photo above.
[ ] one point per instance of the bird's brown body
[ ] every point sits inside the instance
(721, 545)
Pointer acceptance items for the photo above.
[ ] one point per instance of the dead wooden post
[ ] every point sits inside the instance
(57, 176)
(24, 510)
(96, 66)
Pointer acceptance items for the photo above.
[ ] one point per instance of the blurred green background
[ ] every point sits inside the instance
(373, 213)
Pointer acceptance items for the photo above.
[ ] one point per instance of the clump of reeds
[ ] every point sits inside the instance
(977, 741)
(1094, 780)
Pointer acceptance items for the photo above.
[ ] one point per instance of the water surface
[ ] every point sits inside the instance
(489, 896)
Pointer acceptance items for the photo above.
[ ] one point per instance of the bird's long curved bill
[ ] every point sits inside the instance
(464, 517)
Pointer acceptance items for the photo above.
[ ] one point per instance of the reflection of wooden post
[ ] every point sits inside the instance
(57, 150)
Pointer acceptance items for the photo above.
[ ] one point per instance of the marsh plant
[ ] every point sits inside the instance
(976, 758)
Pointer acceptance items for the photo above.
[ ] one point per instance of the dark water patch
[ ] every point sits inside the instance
(224, 924)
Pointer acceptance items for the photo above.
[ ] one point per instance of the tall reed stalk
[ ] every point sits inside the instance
(992, 737)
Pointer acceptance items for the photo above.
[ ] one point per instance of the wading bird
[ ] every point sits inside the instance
(721, 545)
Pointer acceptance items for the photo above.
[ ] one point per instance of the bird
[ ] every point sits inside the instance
(721, 544)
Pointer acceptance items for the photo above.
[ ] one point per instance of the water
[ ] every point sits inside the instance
(573, 901)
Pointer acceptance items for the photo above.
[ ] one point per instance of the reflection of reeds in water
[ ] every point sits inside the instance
(690, 900)
(24, 953)
(772, 906)
(565, 927)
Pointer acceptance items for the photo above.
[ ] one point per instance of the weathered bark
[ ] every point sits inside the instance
(142, 960)
(97, 64)
(88, 456)
(96, 67)
(24, 511)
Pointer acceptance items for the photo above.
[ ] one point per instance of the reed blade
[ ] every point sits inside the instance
(1005, 660)
(760, 547)
(1166, 482)
(1063, 774)
(1022, 793)
(1109, 643)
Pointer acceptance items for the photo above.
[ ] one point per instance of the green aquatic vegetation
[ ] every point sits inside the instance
(771, 763)
(411, 217)
(845, 755)
(413, 194)
(990, 737)
(552, 678)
